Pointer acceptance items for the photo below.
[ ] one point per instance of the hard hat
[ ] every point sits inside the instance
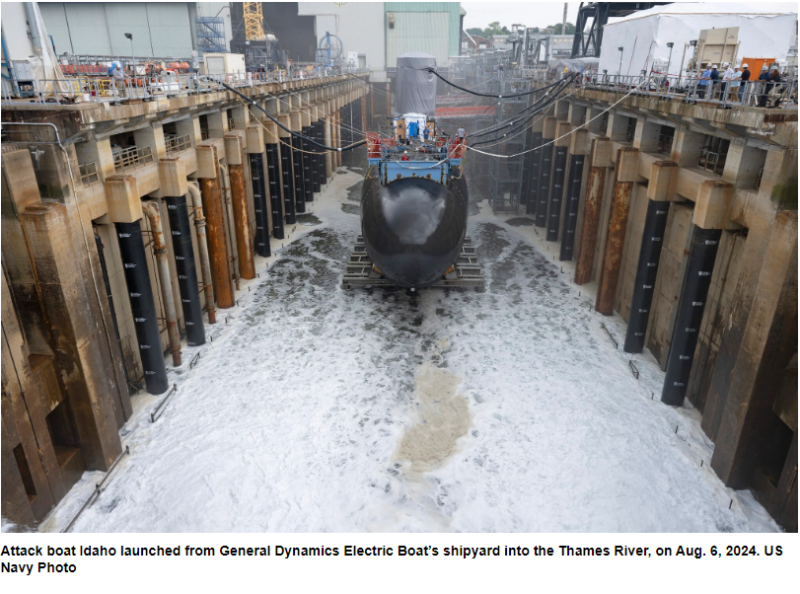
(714, 66)
(726, 64)
(745, 66)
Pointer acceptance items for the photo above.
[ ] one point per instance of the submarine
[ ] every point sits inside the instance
(414, 200)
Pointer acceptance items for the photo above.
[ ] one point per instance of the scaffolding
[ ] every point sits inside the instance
(211, 35)
(506, 174)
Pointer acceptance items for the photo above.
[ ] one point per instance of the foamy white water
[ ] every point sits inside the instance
(322, 410)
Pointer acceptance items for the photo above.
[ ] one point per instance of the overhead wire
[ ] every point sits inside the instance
(505, 138)
(521, 124)
(471, 92)
(342, 124)
(554, 140)
(289, 130)
(548, 99)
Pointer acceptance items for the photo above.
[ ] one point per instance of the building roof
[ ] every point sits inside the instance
(684, 8)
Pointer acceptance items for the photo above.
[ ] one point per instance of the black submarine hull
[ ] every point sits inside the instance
(413, 228)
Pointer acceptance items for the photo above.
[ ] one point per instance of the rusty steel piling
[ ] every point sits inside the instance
(615, 240)
(241, 220)
(217, 242)
(591, 222)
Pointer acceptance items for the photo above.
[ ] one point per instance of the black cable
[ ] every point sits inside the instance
(520, 127)
(517, 117)
(284, 128)
(431, 70)
(538, 106)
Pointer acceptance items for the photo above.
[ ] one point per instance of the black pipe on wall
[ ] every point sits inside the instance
(186, 269)
(556, 193)
(315, 158)
(308, 171)
(655, 224)
(299, 186)
(570, 223)
(104, 268)
(544, 185)
(690, 314)
(261, 204)
(533, 182)
(275, 187)
(288, 176)
(323, 164)
(143, 308)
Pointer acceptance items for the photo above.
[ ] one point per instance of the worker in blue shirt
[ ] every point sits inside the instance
(426, 133)
(702, 84)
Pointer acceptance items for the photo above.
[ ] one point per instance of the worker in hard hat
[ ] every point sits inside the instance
(735, 89)
(702, 84)
(727, 77)
(714, 80)
(118, 74)
(744, 90)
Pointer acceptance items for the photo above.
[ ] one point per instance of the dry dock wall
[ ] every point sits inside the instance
(75, 178)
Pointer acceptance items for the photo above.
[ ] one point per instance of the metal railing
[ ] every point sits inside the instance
(692, 88)
(178, 144)
(99, 89)
(89, 174)
(695, 89)
(132, 158)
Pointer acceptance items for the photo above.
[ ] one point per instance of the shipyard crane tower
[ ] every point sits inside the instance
(253, 21)
(250, 38)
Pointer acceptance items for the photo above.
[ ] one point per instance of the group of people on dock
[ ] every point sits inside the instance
(736, 82)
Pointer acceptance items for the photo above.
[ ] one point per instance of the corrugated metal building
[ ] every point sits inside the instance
(160, 29)
(430, 27)
(360, 26)
(381, 31)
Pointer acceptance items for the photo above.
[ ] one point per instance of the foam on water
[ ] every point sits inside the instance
(319, 409)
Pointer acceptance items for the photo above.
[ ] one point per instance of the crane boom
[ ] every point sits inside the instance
(253, 21)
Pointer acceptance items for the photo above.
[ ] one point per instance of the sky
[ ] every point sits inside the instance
(532, 14)
(542, 14)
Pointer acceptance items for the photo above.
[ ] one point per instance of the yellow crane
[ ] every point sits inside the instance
(253, 22)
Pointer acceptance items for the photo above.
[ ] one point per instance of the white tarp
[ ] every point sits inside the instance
(46, 68)
(644, 35)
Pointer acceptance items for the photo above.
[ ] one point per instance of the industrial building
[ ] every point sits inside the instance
(160, 29)
(378, 32)
(136, 218)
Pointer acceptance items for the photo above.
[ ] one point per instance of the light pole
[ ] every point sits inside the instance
(619, 72)
(133, 60)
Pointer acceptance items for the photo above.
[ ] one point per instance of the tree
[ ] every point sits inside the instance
(556, 29)
(475, 31)
(493, 29)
